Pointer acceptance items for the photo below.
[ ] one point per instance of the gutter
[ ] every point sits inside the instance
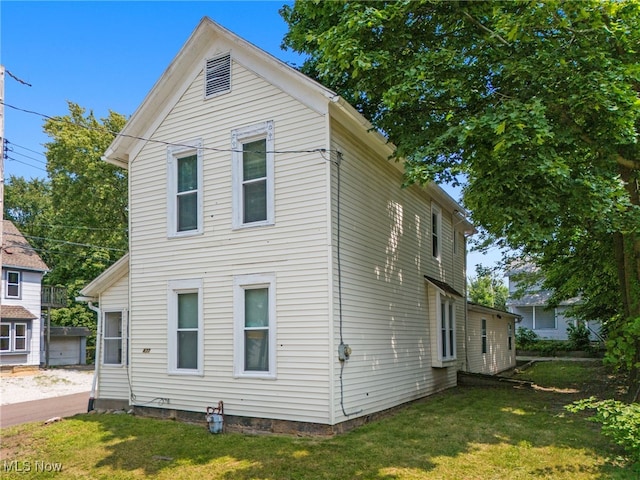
(96, 371)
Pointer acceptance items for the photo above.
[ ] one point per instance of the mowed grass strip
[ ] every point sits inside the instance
(463, 433)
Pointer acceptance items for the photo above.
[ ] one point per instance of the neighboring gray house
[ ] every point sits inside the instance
(547, 322)
(20, 307)
(275, 262)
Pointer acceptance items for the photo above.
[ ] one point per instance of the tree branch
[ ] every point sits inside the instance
(486, 29)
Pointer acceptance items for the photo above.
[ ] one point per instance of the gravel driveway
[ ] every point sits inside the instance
(23, 387)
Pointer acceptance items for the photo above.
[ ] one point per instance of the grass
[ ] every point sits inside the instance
(464, 433)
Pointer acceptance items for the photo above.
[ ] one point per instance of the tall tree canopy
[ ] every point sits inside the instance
(535, 103)
(487, 288)
(77, 218)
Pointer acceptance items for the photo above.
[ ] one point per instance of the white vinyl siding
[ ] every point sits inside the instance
(491, 333)
(29, 297)
(296, 251)
(385, 253)
(113, 382)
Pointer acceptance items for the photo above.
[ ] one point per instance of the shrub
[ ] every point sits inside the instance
(579, 337)
(620, 421)
(525, 337)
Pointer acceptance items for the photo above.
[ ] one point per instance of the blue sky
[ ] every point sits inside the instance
(107, 56)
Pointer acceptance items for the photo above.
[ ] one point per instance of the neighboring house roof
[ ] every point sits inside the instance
(210, 39)
(17, 252)
(15, 312)
(107, 278)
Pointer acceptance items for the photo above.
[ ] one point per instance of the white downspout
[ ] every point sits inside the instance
(96, 371)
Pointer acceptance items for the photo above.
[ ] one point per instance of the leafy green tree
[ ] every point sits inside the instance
(28, 205)
(488, 289)
(88, 196)
(537, 104)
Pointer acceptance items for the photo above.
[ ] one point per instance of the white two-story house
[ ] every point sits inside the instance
(20, 308)
(275, 262)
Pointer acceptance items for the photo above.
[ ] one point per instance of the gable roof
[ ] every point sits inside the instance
(17, 252)
(107, 278)
(210, 39)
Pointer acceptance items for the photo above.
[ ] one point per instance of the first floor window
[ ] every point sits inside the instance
(185, 327)
(510, 335)
(254, 312)
(484, 335)
(113, 328)
(14, 337)
(447, 342)
(544, 318)
(13, 284)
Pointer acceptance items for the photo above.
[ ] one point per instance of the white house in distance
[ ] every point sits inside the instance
(549, 323)
(275, 262)
(20, 309)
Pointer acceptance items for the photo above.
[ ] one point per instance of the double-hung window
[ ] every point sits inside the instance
(436, 232)
(113, 328)
(184, 190)
(253, 175)
(447, 343)
(254, 318)
(185, 331)
(14, 337)
(484, 335)
(13, 284)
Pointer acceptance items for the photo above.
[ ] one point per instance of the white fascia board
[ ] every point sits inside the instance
(107, 278)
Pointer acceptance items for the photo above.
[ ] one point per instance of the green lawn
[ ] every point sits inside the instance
(464, 433)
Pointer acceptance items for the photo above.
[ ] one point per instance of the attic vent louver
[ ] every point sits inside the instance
(217, 76)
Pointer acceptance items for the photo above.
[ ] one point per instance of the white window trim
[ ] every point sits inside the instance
(435, 210)
(12, 338)
(240, 284)
(174, 288)
(239, 137)
(451, 325)
(123, 337)
(19, 284)
(173, 154)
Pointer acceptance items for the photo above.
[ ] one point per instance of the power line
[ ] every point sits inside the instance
(77, 227)
(25, 148)
(170, 144)
(65, 242)
(25, 163)
(27, 156)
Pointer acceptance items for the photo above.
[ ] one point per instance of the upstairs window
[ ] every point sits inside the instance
(13, 284)
(184, 191)
(436, 232)
(217, 76)
(253, 175)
